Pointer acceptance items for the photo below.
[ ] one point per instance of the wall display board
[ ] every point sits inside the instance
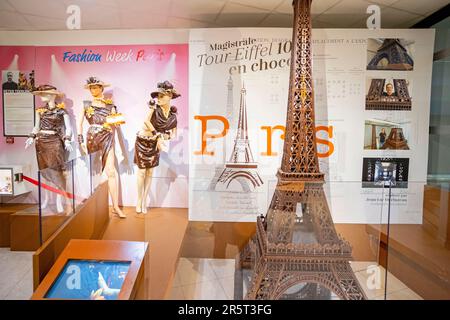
(372, 100)
(18, 102)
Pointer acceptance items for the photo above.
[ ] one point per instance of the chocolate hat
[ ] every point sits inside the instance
(166, 88)
(46, 89)
(94, 81)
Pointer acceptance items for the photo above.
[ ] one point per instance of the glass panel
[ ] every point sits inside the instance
(82, 179)
(56, 198)
(218, 246)
(418, 255)
(439, 149)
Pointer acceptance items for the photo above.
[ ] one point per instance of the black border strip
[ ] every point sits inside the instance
(434, 18)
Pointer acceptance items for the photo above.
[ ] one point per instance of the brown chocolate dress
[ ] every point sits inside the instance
(99, 137)
(50, 147)
(146, 153)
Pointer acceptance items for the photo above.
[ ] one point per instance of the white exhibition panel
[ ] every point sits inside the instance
(220, 57)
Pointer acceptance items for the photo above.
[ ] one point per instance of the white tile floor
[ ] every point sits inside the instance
(16, 275)
(198, 279)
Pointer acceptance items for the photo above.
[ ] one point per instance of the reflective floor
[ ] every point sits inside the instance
(205, 279)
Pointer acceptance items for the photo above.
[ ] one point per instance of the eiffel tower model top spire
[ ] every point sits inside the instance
(300, 160)
(296, 252)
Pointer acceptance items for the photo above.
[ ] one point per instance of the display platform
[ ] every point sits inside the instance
(416, 257)
(97, 270)
(6, 210)
(24, 228)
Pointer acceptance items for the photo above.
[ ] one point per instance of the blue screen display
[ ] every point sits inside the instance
(89, 280)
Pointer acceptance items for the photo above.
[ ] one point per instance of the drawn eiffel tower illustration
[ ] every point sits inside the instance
(241, 166)
(296, 252)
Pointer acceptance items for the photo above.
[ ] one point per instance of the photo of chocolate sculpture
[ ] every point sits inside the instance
(383, 134)
(385, 172)
(388, 94)
(389, 54)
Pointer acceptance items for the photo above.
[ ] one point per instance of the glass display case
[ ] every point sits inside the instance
(62, 192)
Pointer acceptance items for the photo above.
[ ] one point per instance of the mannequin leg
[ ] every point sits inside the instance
(62, 176)
(148, 183)
(140, 189)
(113, 183)
(59, 203)
(44, 199)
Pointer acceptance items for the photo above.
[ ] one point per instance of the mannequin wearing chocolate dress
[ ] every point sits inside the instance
(100, 136)
(52, 134)
(160, 125)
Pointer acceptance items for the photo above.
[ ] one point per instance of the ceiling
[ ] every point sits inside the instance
(145, 14)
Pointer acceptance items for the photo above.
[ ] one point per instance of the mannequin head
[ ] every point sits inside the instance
(48, 99)
(48, 94)
(164, 93)
(96, 91)
(164, 99)
(96, 86)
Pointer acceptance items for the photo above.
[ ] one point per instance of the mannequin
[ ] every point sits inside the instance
(100, 114)
(159, 126)
(53, 134)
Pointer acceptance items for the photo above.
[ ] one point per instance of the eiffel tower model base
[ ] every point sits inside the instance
(300, 256)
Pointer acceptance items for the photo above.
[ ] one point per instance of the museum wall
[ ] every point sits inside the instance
(341, 79)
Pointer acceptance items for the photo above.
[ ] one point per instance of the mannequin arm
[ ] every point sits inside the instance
(38, 123)
(68, 135)
(80, 122)
(80, 132)
(173, 133)
(35, 130)
(68, 126)
(147, 124)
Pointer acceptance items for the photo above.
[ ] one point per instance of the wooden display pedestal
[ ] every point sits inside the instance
(6, 210)
(133, 286)
(24, 228)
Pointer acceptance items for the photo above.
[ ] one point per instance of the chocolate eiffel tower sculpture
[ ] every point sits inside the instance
(296, 252)
(241, 166)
